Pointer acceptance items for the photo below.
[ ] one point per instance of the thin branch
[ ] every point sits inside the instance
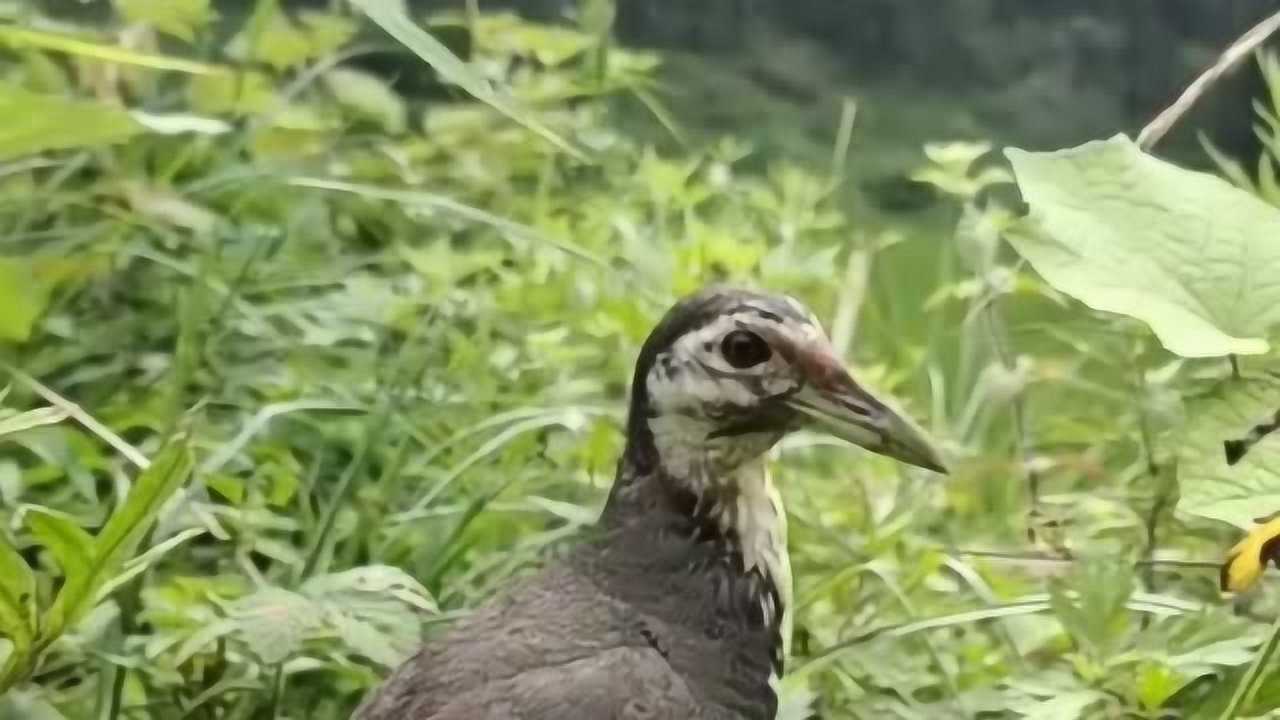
(1239, 50)
(1034, 557)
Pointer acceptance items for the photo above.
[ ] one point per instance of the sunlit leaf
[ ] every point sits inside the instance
(1128, 233)
(22, 37)
(273, 37)
(37, 123)
(372, 579)
(179, 18)
(243, 93)
(274, 622)
(31, 419)
(1239, 494)
(368, 96)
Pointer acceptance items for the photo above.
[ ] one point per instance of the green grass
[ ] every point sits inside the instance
(393, 336)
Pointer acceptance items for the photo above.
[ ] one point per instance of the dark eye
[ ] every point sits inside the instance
(744, 349)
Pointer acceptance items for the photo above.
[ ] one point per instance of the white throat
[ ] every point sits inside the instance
(732, 475)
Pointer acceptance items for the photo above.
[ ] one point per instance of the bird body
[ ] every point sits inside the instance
(675, 605)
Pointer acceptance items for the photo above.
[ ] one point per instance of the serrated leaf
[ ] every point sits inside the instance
(119, 537)
(1238, 494)
(1125, 232)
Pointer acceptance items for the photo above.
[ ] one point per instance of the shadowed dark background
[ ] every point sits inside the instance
(1044, 73)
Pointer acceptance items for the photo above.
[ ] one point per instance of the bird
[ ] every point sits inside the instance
(675, 604)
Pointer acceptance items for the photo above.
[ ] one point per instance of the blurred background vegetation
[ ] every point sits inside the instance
(310, 345)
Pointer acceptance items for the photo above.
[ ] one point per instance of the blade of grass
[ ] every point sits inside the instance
(32, 419)
(1029, 605)
(391, 17)
(78, 414)
(1252, 678)
(20, 37)
(259, 421)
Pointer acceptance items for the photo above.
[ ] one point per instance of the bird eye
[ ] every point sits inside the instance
(743, 349)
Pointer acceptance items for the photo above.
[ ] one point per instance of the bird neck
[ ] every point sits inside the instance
(722, 487)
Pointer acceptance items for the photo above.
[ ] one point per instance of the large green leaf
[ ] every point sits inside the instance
(118, 538)
(1125, 232)
(36, 122)
(1240, 493)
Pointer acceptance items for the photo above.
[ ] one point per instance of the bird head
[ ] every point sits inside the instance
(727, 372)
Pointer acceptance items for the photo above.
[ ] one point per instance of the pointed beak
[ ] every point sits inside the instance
(832, 401)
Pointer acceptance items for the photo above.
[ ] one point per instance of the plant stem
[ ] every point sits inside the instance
(996, 331)
(1252, 678)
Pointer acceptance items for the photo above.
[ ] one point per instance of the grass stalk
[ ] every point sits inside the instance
(1252, 678)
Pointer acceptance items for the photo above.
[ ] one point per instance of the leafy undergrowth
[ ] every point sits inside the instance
(304, 363)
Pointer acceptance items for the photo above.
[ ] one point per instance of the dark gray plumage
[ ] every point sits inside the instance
(672, 607)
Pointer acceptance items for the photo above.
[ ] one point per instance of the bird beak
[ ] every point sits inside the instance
(834, 402)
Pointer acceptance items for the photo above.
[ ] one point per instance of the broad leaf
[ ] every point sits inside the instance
(1125, 232)
(1238, 494)
(274, 622)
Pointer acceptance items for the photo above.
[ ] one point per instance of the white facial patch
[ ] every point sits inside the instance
(693, 391)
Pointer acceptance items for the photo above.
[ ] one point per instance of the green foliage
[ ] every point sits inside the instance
(397, 325)
(87, 562)
(1239, 494)
(42, 122)
(1128, 233)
